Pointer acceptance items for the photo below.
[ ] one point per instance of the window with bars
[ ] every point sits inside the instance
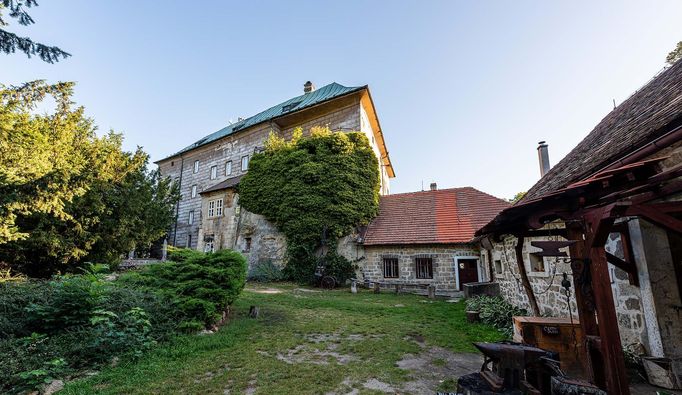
(424, 267)
(391, 268)
(210, 212)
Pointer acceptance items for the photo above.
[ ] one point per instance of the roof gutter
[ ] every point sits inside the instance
(649, 149)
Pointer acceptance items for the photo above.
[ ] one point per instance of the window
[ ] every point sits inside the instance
(537, 263)
(172, 163)
(208, 243)
(391, 268)
(196, 166)
(189, 241)
(219, 207)
(228, 168)
(194, 191)
(211, 209)
(498, 266)
(190, 220)
(245, 163)
(214, 172)
(247, 244)
(424, 267)
(215, 208)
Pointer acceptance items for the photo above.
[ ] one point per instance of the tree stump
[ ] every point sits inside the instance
(377, 288)
(253, 312)
(398, 288)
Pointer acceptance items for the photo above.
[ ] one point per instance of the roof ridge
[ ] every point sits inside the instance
(320, 95)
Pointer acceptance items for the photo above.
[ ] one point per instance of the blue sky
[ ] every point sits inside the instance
(464, 90)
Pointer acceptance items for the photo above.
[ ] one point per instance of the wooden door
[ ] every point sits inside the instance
(468, 271)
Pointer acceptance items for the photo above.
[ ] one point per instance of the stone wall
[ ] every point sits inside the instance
(546, 284)
(444, 277)
(232, 149)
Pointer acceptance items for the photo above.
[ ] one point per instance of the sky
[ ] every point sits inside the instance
(464, 90)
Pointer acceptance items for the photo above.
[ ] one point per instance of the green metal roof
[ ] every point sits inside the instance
(297, 103)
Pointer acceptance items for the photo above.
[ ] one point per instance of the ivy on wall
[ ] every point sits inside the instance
(327, 183)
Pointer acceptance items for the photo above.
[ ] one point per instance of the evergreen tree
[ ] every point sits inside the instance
(10, 42)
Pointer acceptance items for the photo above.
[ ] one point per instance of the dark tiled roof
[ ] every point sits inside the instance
(294, 104)
(432, 217)
(643, 117)
(229, 183)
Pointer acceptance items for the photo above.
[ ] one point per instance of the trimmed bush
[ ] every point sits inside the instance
(201, 285)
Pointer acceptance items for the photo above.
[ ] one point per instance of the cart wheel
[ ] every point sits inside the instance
(328, 282)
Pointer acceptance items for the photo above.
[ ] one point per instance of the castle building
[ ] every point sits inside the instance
(208, 216)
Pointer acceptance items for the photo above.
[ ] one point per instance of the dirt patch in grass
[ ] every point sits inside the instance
(433, 366)
(306, 354)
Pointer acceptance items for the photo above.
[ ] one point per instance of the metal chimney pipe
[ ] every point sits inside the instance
(543, 158)
(434, 186)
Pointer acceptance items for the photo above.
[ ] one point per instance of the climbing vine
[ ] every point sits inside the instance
(314, 188)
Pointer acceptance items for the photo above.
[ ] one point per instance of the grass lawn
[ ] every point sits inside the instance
(305, 342)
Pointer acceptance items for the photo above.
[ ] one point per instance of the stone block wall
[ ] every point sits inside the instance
(371, 268)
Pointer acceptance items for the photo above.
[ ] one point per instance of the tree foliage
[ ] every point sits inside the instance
(10, 42)
(675, 54)
(67, 194)
(327, 183)
(517, 197)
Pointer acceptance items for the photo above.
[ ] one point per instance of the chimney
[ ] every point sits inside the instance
(308, 87)
(434, 186)
(543, 158)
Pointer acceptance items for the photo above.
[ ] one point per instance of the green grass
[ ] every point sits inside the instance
(243, 354)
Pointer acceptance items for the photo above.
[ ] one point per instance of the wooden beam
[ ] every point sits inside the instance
(584, 296)
(542, 233)
(657, 217)
(621, 264)
(524, 277)
(599, 225)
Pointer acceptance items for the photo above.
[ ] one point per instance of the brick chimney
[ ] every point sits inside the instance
(434, 186)
(543, 158)
(308, 87)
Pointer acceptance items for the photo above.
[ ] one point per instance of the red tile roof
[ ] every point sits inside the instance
(444, 216)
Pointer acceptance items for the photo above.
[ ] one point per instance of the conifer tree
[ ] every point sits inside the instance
(10, 42)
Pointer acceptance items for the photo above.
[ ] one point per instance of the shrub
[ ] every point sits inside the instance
(266, 271)
(201, 285)
(496, 312)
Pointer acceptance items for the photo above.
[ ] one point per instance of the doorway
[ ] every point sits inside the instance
(466, 270)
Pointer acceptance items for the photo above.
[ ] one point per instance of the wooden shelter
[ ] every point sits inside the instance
(628, 167)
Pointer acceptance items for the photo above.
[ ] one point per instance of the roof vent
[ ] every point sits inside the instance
(434, 186)
(308, 87)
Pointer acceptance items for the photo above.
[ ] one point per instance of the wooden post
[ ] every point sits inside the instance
(377, 288)
(431, 289)
(599, 223)
(584, 296)
(397, 289)
(524, 277)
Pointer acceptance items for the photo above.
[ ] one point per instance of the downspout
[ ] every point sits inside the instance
(490, 264)
(177, 205)
(524, 277)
